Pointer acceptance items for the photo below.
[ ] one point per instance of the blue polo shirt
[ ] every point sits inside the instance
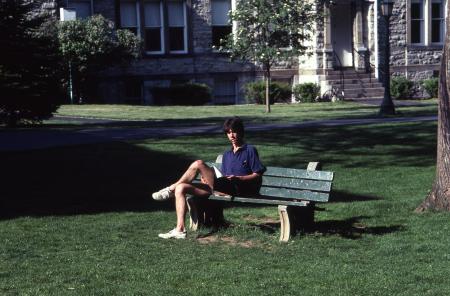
(244, 162)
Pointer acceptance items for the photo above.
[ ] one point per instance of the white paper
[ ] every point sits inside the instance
(217, 172)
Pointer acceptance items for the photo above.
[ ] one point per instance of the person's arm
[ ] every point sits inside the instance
(247, 178)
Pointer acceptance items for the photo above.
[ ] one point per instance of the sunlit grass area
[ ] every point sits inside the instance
(250, 113)
(79, 220)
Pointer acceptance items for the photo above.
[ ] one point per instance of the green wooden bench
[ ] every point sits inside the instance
(294, 191)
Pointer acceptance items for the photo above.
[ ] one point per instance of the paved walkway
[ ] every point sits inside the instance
(17, 140)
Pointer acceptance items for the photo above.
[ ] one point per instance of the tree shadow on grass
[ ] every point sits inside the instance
(376, 146)
(110, 177)
(344, 196)
(350, 228)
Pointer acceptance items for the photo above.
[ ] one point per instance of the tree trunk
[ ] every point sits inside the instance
(267, 78)
(439, 197)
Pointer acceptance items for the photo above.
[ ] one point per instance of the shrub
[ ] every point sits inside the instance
(431, 86)
(306, 92)
(255, 92)
(182, 94)
(401, 87)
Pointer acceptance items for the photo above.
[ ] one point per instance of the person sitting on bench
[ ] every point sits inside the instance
(242, 175)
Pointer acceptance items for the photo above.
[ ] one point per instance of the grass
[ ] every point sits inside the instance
(79, 220)
(175, 115)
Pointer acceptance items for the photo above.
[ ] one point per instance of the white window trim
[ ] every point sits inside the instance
(427, 19)
(185, 50)
(162, 37)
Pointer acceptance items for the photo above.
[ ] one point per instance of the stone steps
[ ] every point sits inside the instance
(356, 85)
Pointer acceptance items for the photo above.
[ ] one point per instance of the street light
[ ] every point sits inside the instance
(387, 106)
(68, 15)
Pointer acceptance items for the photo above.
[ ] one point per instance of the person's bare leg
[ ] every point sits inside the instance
(180, 200)
(198, 166)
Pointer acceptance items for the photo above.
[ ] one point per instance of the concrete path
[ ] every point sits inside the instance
(19, 140)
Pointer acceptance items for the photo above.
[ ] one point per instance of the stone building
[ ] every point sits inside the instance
(347, 52)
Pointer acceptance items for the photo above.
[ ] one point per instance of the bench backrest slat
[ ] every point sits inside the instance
(298, 173)
(296, 183)
(292, 173)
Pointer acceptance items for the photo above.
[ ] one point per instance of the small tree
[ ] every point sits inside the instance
(91, 45)
(29, 69)
(270, 31)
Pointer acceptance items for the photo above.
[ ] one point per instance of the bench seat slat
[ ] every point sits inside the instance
(298, 173)
(294, 194)
(259, 200)
(297, 183)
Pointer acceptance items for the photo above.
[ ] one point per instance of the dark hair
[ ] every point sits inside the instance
(235, 124)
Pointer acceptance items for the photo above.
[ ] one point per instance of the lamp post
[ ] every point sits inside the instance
(68, 15)
(387, 106)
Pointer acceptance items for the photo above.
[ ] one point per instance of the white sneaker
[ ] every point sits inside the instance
(163, 194)
(174, 233)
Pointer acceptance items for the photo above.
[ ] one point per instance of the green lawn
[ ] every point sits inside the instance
(79, 220)
(169, 115)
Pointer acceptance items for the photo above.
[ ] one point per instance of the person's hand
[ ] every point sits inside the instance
(232, 178)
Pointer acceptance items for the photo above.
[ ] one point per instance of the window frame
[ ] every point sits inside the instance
(69, 5)
(161, 30)
(164, 29)
(185, 39)
(138, 16)
(421, 21)
(441, 22)
(427, 21)
(234, 82)
(221, 25)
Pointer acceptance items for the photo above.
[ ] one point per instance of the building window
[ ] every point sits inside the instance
(154, 29)
(176, 11)
(224, 92)
(417, 22)
(164, 24)
(221, 25)
(83, 8)
(437, 21)
(427, 22)
(129, 16)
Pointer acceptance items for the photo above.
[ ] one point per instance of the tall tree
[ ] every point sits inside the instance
(270, 31)
(439, 197)
(29, 69)
(91, 45)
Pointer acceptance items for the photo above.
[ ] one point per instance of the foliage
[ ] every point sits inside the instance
(92, 45)
(270, 32)
(401, 87)
(182, 94)
(279, 92)
(431, 85)
(29, 69)
(306, 92)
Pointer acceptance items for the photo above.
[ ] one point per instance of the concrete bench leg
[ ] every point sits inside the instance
(204, 212)
(293, 219)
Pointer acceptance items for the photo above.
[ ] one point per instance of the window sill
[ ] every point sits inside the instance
(425, 47)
